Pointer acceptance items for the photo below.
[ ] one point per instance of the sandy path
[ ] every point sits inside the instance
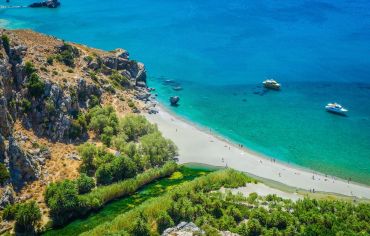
(197, 146)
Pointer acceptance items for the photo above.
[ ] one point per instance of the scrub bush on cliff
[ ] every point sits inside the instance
(4, 174)
(35, 85)
(27, 216)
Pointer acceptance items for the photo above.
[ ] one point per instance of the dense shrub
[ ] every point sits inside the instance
(25, 105)
(89, 152)
(26, 217)
(140, 227)
(104, 175)
(78, 127)
(153, 211)
(164, 221)
(157, 148)
(88, 59)
(4, 174)
(120, 79)
(94, 101)
(35, 85)
(29, 68)
(62, 200)
(6, 42)
(50, 60)
(134, 126)
(213, 211)
(9, 212)
(100, 118)
(65, 203)
(50, 106)
(67, 54)
(85, 184)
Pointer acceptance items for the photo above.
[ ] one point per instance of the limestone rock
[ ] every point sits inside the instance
(183, 229)
(23, 167)
(7, 197)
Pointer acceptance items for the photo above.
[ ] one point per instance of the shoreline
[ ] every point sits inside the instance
(198, 145)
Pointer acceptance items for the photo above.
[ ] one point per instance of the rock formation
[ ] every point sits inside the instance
(174, 100)
(48, 4)
(45, 84)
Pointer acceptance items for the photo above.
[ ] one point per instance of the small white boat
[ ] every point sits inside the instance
(271, 84)
(336, 108)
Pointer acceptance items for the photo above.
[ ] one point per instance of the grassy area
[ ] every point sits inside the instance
(152, 208)
(122, 205)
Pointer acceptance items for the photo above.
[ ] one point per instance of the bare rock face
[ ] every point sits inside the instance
(7, 197)
(23, 167)
(183, 229)
(130, 69)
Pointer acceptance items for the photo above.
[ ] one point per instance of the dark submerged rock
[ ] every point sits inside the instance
(174, 100)
(48, 4)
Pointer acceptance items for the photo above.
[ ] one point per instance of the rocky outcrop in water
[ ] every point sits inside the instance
(48, 4)
(174, 100)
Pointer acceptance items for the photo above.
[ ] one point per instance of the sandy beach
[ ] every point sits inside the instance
(198, 146)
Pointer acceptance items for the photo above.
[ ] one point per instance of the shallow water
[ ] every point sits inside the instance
(219, 51)
(118, 207)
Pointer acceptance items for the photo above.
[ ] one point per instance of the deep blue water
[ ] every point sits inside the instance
(220, 51)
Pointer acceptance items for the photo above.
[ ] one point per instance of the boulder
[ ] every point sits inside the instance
(119, 52)
(48, 4)
(174, 100)
(183, 229)
(7, 197)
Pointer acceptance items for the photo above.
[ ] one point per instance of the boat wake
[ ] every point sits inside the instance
(11, 7)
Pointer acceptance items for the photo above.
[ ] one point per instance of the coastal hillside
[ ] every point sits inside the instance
(48, 89)
(78, 157)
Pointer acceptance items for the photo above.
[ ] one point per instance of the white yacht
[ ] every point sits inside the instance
(336, 108)
(271, 84)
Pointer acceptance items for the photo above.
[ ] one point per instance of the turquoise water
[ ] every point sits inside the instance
(219, 51)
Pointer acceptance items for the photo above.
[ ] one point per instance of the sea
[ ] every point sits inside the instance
(214, 55)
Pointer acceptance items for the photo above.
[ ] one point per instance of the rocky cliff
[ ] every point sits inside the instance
(45, 83)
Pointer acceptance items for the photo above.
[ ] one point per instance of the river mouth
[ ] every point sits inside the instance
(120, 206)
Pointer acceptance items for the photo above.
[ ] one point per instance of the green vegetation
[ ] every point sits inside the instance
(26, 215)
(122, 205)
(50, 106)
(62, 200)
(6, 42)
(25, 105)
(153, 214)
(50, 60)
(85, 184)
(88, 59)
(94, 101)
(29, 68)
(67, 55)
(78, 127)
(141, 146)
(134, 126)
(35, 85)
(253, 215)
(66, 203)
(103, 119)
(4, 174)
(119, 79)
